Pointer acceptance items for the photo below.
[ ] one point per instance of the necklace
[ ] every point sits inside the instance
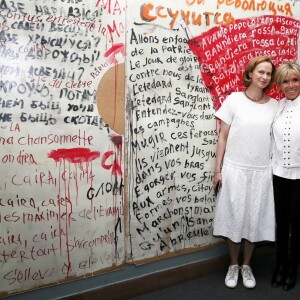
(262, 97)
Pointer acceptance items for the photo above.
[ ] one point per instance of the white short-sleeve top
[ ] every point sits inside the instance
(249, 140)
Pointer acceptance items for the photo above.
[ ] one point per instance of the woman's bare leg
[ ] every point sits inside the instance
(248, 252)
(234, 251)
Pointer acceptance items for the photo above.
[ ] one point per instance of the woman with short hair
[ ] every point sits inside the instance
(286, 178)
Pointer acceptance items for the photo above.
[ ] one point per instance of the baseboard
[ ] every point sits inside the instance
(153, 282)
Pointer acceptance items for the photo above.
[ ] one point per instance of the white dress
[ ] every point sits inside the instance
(245, 202)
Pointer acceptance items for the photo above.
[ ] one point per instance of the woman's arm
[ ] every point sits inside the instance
(221, 146)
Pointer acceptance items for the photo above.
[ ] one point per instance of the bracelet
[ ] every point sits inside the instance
(217, 172)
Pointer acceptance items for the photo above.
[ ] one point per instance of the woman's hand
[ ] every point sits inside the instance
(217, 182)
(221, 145)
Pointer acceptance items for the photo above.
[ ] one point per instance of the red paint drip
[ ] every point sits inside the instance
(116, 89)
(59, 209)
(74, 155)
(68, 219)
(117, 140)
(77, 156)
(76, 182)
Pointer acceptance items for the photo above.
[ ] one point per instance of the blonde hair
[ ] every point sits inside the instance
(285, 69)
(246, 80)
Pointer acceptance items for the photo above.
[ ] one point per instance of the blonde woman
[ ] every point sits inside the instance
(286, 179)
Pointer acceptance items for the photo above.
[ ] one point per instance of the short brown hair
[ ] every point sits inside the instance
(252, 65)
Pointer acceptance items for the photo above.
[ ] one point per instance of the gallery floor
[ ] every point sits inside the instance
(211, 287)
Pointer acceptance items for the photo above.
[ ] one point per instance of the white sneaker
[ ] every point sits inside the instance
(232, 276)
(248, 278)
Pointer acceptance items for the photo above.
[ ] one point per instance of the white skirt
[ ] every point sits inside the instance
(245, 204)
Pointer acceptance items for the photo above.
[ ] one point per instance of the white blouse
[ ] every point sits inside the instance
(248, 144)
(286, 134)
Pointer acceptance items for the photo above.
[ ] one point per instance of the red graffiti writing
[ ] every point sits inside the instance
(224, 51)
